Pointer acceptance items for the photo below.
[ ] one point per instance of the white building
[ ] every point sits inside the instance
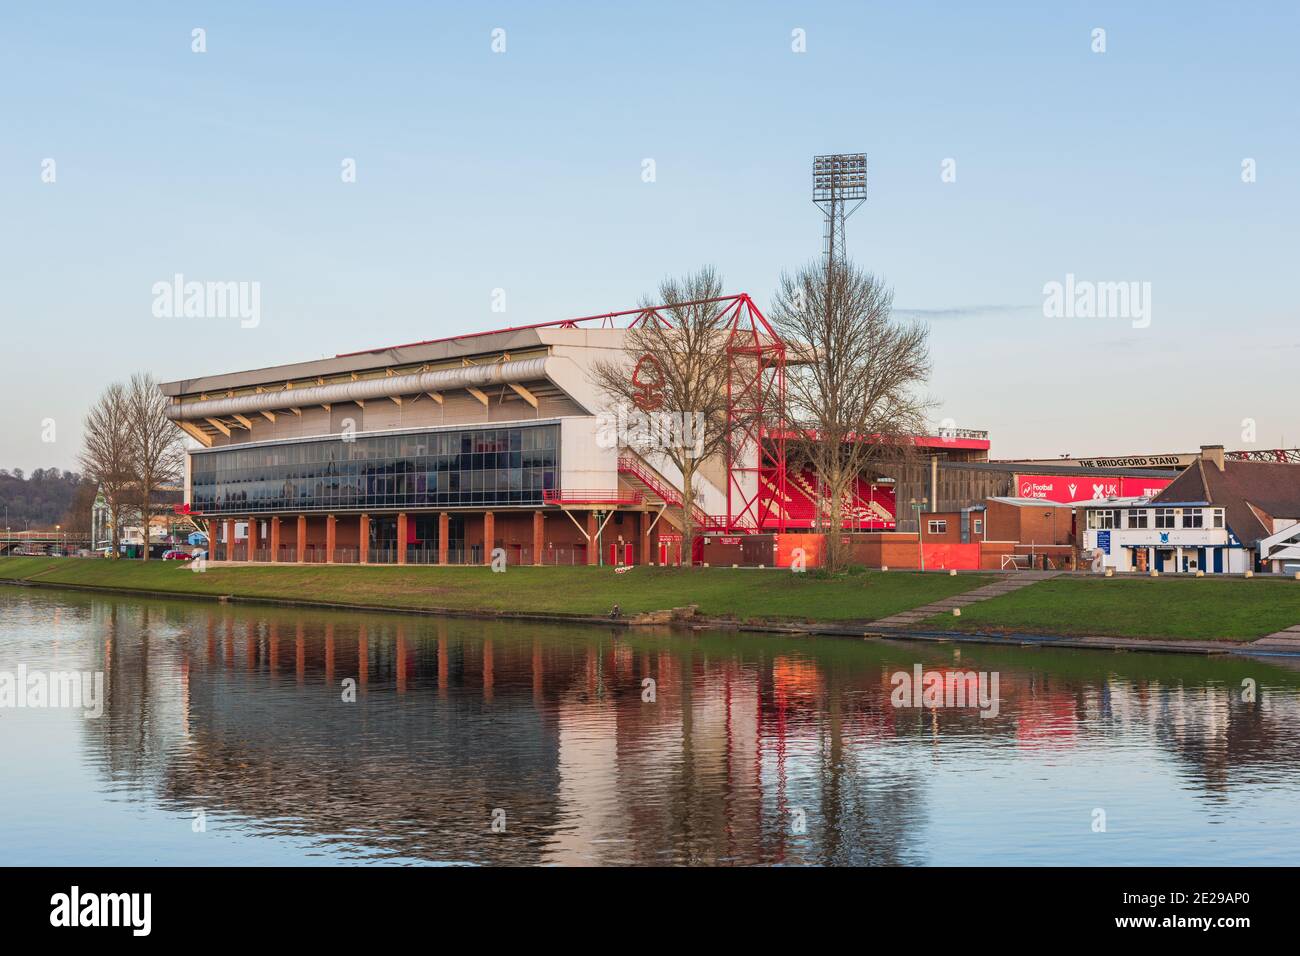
(1218, 516)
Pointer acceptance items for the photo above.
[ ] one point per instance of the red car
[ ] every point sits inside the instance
(176, 555)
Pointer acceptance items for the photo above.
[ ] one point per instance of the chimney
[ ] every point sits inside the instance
(1213, 453)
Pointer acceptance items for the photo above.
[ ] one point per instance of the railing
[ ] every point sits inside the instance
(668, 494)
(979, 434)
(516, 555)
(590, 496)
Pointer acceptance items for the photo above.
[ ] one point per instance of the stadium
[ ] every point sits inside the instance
(441, 451)
(444, 451)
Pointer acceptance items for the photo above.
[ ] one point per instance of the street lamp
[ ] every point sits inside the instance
(917, 505)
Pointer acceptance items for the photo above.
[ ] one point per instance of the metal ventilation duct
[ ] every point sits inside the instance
(471, 376)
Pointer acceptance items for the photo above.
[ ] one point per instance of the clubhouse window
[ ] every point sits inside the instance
(1103, 520)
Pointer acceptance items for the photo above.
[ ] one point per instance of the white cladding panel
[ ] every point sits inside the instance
(583, 463)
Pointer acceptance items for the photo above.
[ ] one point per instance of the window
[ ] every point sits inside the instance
(1164, 517)
(1218, 517)
(939, 527)
(431, 469)
(1193, 518)
(1103, 520)
(1137, 518)
(979, 525)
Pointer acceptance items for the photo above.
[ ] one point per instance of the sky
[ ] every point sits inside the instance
(1006, 151)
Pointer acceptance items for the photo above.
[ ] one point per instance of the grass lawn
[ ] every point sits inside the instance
(1232, 609)
(744, 595)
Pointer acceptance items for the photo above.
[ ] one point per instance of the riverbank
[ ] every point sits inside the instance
(739, 596)
(1184, 608)
(1197, 615)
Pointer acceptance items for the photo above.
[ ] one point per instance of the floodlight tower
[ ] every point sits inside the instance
(839, 190)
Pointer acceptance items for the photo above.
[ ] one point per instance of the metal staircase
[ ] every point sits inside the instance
(656, 489)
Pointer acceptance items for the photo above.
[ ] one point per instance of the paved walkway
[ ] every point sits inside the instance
(1012, 582)
(1288, 640)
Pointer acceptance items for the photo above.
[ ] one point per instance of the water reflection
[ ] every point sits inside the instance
(755, 748)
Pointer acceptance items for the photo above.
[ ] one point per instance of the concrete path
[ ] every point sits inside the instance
(1288, 640)
(1012, 582)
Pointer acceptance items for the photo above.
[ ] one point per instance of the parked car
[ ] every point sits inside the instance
(175, 555)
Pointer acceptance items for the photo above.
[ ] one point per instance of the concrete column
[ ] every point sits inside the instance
(302, 538)
(401, 538)
(252, 538)
(643, 526)
(539, 536)
(330, 521)
(489, 535)
(444, 529)
(363, 539)
(593, 554)
(275, 538)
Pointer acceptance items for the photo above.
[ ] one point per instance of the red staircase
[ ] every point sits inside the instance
(635, 471)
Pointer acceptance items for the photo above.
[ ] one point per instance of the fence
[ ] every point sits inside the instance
(516, 556)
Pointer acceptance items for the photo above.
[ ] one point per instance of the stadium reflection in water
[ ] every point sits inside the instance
(226, 739)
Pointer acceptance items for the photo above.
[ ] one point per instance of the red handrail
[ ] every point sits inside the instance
(590, 496)
(670, 495)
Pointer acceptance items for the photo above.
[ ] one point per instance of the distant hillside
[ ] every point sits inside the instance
(44, 498)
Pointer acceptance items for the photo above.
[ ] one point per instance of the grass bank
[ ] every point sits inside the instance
(738, 594)
(1230, 609)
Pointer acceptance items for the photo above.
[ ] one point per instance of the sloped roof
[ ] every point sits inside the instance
(1251, 493)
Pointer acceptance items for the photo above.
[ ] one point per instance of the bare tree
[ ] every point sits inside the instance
(106, 456)
(852, 383)
(674, 367)
(157, 452)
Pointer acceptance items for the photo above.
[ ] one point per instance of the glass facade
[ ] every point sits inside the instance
(481, 467)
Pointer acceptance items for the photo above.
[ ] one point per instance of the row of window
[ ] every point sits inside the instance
(1105, 519)
(497, 466)
(506, 460)
(940, 526)
(418, 445)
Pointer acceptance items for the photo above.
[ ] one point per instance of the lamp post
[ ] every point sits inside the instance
(917, 505)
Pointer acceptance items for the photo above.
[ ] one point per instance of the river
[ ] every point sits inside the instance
(242, 734)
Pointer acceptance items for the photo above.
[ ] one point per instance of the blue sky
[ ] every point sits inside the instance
(523, 171)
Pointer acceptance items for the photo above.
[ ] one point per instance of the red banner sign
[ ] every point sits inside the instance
(1066, 489)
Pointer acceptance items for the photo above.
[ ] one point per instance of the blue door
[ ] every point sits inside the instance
(1218, 560)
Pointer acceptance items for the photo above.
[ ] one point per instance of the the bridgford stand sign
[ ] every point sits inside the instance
(1141, 461)
(1134, 461)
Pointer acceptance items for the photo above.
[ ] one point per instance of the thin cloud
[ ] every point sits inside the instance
(963, 311)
